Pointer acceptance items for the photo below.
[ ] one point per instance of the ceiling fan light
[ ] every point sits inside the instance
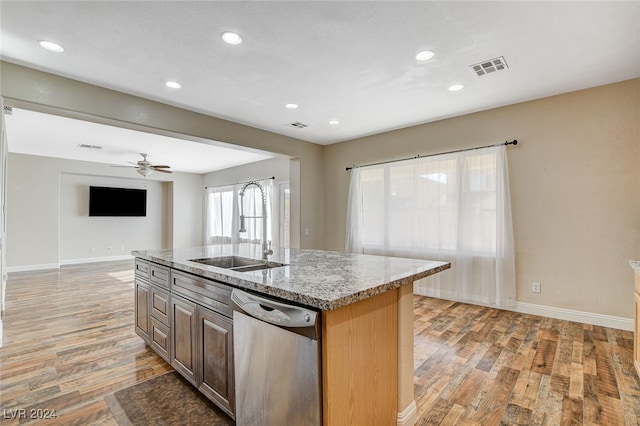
(145, 172)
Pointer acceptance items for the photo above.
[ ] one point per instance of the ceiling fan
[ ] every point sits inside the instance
(145, 168)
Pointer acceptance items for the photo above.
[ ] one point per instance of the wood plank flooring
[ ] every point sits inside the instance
(483, 366)
(69, 341)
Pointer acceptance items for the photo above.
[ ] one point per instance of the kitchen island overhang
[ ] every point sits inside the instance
(367, 319)
(325, 280)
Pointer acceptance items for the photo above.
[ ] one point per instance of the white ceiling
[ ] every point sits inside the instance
(48, 135)
(352, 61)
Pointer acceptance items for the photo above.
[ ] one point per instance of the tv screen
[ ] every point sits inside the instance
(105, 201)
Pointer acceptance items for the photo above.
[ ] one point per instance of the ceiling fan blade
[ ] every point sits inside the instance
(161, 167)
(162, 170)
(131, 162)
(128, 167)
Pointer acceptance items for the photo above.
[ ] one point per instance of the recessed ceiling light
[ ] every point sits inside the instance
(424, 55)
(291, 106)
(172, 84)
(231, 37)
(334, 122)
(456, 87)
(51, 46)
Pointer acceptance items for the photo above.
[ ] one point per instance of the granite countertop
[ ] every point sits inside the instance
(322, 279)
(635, 264)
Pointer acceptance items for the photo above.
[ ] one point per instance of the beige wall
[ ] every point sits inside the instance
(575, 189)
(82, 236)
(31, 89)
(47, 220)
(276, 167)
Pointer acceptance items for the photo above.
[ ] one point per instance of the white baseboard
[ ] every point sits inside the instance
(95, 259)
(408, 416)
(619, 323)
(39, 267)
(42, 266)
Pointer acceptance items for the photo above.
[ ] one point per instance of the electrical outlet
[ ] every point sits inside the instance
(535, 287)
(92, 250)
(109, 248)
(122, 247)
(306, 232)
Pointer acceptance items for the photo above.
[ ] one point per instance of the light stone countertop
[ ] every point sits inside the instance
(635, 264)
(322, 279)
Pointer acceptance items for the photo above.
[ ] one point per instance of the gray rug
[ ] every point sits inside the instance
(164, 400)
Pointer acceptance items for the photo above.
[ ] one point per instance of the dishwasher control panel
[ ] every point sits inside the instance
(273, 312)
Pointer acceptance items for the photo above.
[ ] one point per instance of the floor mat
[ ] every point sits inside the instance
(164, 400)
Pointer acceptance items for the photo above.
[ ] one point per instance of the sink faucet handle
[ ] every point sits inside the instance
(268, 251)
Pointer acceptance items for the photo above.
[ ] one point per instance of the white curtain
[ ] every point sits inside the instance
(451, 207)
(222, 214)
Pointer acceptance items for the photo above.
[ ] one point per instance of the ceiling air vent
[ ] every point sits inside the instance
(297, 125)
(84, 145)
(489, 66)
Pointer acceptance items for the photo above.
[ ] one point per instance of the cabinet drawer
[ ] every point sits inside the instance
(142, 268)
(159, 275)
(211, 294)
(160, 304)
(160, 340)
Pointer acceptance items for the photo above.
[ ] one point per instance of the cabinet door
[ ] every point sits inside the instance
(215, 354)
(183, 337)
(142, 309)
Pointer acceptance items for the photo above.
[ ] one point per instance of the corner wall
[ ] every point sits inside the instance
(575, 189)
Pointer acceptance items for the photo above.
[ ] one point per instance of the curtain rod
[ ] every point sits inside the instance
(238, 183)
(513, 142)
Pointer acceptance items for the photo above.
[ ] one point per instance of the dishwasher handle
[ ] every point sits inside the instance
(295, 318)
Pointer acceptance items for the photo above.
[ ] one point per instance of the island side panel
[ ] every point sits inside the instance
(360, 362)
(636, 307)
(407, 408)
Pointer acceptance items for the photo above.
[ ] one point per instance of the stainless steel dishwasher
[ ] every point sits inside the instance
(277, 362)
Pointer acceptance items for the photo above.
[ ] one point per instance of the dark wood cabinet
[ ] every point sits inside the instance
(183, 337)
(215, 358)
(186, 319)
(142, 309)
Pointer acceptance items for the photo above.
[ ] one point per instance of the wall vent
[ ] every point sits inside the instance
(84, 145)
(297, 125)
(489, 66)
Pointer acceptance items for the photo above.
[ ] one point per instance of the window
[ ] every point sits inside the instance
(451, 207)
(222, 214)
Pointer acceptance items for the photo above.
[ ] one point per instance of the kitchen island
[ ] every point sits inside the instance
(366, 305)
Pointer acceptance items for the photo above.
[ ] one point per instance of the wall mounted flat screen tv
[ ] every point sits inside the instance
(106, 201)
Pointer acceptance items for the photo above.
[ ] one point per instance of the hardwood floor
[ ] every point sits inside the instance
(476, 365)
(69, 341)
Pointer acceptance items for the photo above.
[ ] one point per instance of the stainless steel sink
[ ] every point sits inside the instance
(237, 263)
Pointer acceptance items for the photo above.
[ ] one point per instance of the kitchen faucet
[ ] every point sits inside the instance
(266, 250)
